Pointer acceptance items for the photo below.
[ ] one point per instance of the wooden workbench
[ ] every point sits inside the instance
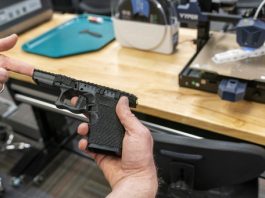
(154, 79)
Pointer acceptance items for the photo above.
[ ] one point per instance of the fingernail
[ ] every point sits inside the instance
(82, 144)
(13, 35)
(125, 100)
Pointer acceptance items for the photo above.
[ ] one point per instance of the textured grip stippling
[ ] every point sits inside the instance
(106, 134)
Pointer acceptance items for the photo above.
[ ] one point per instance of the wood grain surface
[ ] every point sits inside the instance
(154, 79)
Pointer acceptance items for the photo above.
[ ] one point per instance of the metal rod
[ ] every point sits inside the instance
(49, 107)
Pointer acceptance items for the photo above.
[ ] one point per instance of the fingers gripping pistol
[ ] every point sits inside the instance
(98, 103)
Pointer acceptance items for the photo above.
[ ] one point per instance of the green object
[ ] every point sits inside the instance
(76, 36)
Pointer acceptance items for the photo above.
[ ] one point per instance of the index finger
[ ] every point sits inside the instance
(8, 42)
(17, 66)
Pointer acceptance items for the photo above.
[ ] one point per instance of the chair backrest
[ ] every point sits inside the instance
(205, 164)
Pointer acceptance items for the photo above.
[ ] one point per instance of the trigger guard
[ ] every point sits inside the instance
(86, 102)
(90, 97)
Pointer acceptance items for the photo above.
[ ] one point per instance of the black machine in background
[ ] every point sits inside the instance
(63, 6)
(102, 7)
(18, 16)
(200, 13)
(95, 6)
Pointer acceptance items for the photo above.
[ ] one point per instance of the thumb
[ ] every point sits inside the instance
(127, 118)
(8, 42)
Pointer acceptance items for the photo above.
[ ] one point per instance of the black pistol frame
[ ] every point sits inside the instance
(97, 102)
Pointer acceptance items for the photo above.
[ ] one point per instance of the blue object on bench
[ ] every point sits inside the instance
(76, 36)
(250, 33)
(232, 90)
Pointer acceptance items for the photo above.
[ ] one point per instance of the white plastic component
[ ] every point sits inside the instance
(258, 52)
(95, 19)
(237, 54)
(146, 36)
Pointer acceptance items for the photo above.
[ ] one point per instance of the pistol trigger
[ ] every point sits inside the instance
(81, 102)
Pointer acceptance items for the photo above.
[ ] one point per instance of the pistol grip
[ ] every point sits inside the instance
(106, 134)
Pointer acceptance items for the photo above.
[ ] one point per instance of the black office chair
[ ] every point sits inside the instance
(199, 168)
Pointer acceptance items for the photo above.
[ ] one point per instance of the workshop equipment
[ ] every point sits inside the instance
(149, 25)
(227, 74)
(250, 31)
(18, 16)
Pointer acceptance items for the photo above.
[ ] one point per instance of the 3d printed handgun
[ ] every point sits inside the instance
(97, 102)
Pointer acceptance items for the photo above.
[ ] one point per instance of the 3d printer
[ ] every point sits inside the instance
(240, 77)
(149, 25)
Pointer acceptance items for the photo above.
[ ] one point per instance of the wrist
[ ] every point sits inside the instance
(136, 186)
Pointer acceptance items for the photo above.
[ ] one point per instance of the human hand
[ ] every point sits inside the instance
(10, 64)
(133, 175)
